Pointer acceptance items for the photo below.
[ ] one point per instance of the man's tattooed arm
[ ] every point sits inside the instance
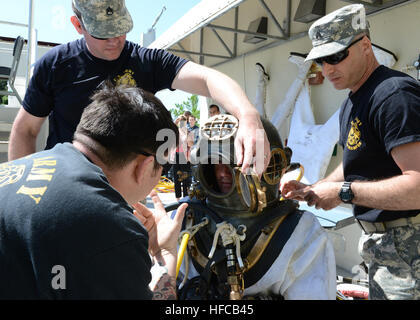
(163, 284)
(165, 288)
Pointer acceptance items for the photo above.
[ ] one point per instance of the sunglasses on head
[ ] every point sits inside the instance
(336, 58)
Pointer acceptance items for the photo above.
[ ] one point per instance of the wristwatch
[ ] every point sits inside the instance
(345, 194)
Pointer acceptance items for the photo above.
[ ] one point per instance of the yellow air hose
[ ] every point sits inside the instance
(181, 252)
(185, 237)
(301, 172)
(165, 185)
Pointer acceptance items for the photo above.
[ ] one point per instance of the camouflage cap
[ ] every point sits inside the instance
(104, 18)
(336, 31)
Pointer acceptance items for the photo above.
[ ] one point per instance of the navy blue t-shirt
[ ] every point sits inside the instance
(66, 76)
(383, 114)
(65, 233)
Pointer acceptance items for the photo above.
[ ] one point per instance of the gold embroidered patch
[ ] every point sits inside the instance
(126, 78)
(353, 139)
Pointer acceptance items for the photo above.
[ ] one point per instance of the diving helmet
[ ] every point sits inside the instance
(219, 180)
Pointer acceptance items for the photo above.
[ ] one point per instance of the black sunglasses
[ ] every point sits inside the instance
(99, 38)
(147, 154)
(336, 58)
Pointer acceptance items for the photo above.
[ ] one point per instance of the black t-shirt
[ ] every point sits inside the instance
(383, 114)
(66, 76)
(65, 233)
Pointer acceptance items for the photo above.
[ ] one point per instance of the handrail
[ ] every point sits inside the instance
(32, 40)
(17, 51)
(14, 23)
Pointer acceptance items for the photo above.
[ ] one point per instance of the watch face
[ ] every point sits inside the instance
(345, 196)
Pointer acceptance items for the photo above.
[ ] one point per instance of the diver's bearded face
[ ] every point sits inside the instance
(223, 177)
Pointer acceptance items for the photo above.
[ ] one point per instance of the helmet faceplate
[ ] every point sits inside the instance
(248, 195)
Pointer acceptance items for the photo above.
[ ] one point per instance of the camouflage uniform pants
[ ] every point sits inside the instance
(393, 260)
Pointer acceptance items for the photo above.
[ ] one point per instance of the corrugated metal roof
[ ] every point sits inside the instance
(200, 15)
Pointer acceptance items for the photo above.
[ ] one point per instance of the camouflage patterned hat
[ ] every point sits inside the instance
(104, 18)
(336, 31)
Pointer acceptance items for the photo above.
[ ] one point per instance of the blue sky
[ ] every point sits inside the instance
(52, 21)
(52, 17)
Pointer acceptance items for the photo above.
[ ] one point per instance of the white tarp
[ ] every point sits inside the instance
(285, 109)
(260, 94)
(312, 144)
(384, 57)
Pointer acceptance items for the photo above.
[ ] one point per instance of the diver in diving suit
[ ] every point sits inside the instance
(245, 241)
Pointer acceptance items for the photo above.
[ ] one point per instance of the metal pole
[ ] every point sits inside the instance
(201, 46)
(201, 53)
(187, 54)
(222, 42)
(212, 26)
(31, 41)
(13, 23)
(277, 24)
(265, 47)
(235, 35)
(157, 18)
(288, 17)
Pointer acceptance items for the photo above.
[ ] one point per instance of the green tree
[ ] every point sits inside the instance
(3, 87)
(190, 105)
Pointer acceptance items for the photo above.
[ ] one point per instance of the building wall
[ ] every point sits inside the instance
(396, 29)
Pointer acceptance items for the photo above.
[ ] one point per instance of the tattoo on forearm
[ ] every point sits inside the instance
(165, 288)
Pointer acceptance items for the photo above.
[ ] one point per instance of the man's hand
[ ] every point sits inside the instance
(251, 145)
(163, 237)
(294, 190)
(163, 231)
(322, 195)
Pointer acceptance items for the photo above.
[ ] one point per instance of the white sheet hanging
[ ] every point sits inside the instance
(260, 95)
(312, 144)
(384, 56)
(285, 109)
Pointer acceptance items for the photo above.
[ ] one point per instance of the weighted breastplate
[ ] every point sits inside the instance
(263, 239)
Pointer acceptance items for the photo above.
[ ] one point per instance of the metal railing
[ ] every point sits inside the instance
(32, 40)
